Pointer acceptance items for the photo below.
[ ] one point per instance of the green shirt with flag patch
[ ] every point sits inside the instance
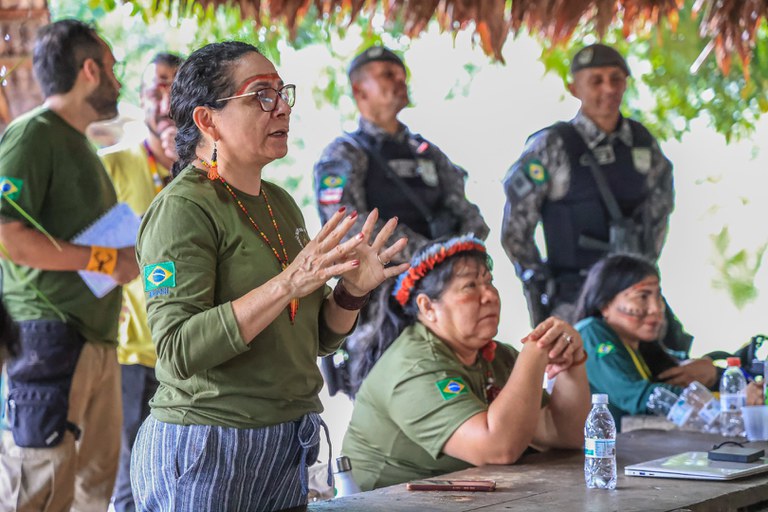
(411, 403)
(612, 370)
(52, 172)
(198, 253)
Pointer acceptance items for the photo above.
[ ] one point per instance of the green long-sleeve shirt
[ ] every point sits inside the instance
(198, 253)
(617, 370)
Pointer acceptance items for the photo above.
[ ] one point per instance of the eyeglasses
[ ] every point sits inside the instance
(268, 97)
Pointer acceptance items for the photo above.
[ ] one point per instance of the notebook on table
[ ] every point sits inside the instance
(696, 466)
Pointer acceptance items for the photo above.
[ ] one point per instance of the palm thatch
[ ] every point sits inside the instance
(730, 25)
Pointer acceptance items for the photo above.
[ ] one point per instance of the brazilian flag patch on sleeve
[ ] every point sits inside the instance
(159, 276)
(10, 187)
(451, 388)
(536, 171)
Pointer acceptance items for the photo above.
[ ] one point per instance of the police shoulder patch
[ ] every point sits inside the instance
(10, 187)
(536, 171)
(159, 276)
(605, 348)
(331, 188)
(451, 388)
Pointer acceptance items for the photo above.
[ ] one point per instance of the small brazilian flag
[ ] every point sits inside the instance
(450, 388)
(159, 275)
(10, 187)
(537, 172)
(604, 349)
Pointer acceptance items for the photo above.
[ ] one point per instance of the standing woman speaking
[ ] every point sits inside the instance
(237, 299)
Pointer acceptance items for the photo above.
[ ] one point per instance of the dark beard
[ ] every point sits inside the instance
(103, 100)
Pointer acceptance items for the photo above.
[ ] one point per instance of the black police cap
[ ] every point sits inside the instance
(598, 56)
(374, 54)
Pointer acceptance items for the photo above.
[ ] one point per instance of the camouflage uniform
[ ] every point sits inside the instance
(340, 180)
(527, 195)
(345, 161)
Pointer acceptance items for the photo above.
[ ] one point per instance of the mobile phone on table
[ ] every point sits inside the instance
(451, 485)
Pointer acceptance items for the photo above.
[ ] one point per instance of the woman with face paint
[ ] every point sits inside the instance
(237, 300)
(621, 312)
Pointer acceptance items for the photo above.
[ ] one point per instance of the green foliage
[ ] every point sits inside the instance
(666, 94)
(736, 271)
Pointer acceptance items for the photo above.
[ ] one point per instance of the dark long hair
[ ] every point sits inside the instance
(204, 77)
(388, 319)
(609, 277)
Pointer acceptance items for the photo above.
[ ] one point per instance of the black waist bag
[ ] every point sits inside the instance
(39, 380)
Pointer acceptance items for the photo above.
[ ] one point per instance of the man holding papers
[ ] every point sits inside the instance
(64, 383)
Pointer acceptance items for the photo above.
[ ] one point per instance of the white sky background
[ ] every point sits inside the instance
(485, 132)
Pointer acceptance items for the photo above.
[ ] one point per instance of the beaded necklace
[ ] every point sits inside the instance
(158, 180)
(293, 306)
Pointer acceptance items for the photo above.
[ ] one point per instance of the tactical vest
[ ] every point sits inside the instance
(418, 171)
(582, 211)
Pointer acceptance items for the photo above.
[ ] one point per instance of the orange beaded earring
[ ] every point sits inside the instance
(213, 167)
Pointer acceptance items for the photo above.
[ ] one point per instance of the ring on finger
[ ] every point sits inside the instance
(568, 338)
(383, 263)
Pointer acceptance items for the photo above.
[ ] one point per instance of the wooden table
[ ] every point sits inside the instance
(554, 481)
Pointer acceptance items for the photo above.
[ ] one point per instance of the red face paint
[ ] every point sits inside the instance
(257, 78)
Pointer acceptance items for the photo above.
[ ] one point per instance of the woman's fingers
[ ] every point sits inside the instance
(370, 224)
(540, 330)
(329, 226)
(396, 270)
(393, 250)
(383, 235)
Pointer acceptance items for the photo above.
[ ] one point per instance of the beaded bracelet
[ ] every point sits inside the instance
(346, 300)
(582, 360)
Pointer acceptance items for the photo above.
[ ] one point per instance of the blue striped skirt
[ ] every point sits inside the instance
(223, 469)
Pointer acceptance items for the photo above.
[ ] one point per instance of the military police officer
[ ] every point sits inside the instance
(598, 183)
(384, 165)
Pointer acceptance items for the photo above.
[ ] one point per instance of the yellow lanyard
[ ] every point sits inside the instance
(645, 372)
(158, 180)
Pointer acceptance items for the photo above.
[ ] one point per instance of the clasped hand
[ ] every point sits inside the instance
(562, 342)
(360, 263)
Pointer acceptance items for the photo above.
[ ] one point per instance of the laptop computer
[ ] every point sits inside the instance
(696, 466)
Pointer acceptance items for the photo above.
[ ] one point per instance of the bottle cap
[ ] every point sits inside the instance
(733, 361)
(599, 398)
(343, 464)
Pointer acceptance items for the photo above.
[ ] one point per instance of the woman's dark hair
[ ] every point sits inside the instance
(387, 319)
(59, 53)
(204, 77)
(609, 277)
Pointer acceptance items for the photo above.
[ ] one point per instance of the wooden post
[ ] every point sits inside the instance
(19, 22)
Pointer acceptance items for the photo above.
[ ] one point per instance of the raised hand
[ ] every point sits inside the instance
(374, 258)
(326, 256)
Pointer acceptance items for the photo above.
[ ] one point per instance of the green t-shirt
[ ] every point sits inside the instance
(52, 171)
(617, 370)
(411, 403)
(198, 252)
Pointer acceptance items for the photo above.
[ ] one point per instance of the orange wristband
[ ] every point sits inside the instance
(103, 260)
(582, 360)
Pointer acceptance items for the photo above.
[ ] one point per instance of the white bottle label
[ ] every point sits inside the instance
(731, 402)
(710, 412)
(599, 448)
(680, 412)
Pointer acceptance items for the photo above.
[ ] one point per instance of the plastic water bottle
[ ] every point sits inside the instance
(733, 396)
(343, 482)
(600, 446)
(696, 409)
